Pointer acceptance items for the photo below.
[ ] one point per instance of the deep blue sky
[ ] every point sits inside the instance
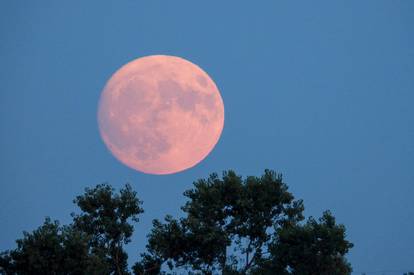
(322, 91)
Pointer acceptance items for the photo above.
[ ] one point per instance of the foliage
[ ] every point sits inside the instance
(313, 248)
(244, 226)
(51, 249)
(91, 245)
(231, 225)
(105, 218)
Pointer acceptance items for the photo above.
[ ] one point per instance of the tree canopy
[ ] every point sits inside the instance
(245, 226)
(230, 225)
(92, 244)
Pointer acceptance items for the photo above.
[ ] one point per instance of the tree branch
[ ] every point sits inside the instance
(248, 263)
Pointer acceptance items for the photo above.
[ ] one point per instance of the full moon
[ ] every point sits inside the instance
(160, 114)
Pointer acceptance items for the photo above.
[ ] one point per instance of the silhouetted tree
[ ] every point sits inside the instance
(52, 249)
(230, 226)
(315, 248)
(236, 226)
(93, 244)
(106, 219)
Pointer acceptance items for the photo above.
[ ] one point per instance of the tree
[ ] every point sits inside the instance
(243, 226)
(231, 225)
(93, 244)
(105, 218)
(51, 249)
(315, 248)
(253, 217)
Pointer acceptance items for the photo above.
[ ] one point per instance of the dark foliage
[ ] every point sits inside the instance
(91, 245)
(245, 226)
(315, 248)
(50, 249)
(105, 218)
(230, 226)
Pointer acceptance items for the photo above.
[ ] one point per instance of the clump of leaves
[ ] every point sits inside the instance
(92, 244)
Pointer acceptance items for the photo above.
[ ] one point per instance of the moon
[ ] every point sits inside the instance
(160, 114)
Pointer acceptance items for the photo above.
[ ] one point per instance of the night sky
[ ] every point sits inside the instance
(321, 91)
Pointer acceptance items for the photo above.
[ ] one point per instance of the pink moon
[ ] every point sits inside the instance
(160, 114)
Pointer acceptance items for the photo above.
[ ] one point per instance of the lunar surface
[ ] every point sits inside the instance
(160, 114)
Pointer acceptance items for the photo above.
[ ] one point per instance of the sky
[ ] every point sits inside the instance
(320, 91)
